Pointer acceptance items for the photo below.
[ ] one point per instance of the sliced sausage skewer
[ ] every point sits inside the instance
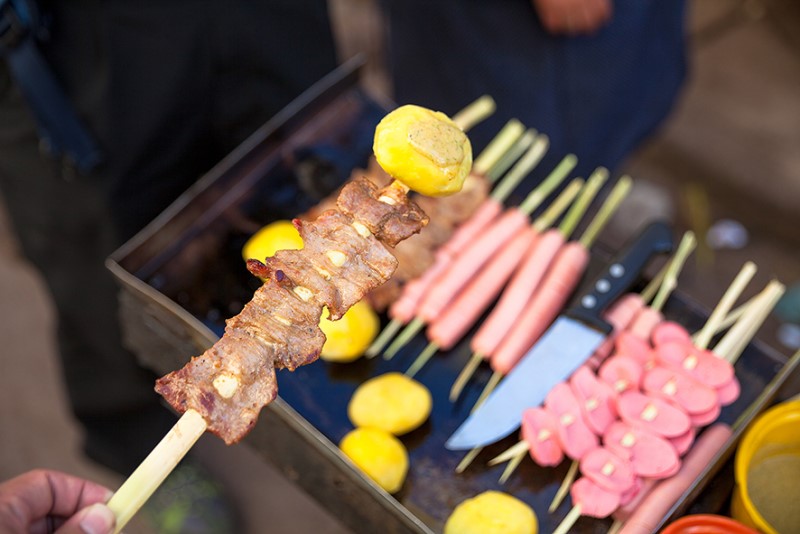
(646, 319)
(620, 315)
(648, 506)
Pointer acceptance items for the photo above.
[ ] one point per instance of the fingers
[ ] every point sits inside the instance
(573, 17)
(595, 14)
(35, 495)
(94, 519)
(584, 17)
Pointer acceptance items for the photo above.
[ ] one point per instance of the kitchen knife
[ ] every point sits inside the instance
(569, 341)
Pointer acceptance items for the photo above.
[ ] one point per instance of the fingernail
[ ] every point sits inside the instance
(98, 519)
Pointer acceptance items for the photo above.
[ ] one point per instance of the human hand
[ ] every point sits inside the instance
(42, 501)
(573, 17)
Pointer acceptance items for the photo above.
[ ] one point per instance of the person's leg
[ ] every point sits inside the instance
(64, 229)
(67, 226)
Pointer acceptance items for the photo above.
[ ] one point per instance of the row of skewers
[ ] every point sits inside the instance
(649, 401)
(630, 424)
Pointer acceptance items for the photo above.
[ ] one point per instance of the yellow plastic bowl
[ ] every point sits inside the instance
(766, 469)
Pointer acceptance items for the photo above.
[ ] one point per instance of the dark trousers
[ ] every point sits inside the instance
(595, 96)
(168, 88)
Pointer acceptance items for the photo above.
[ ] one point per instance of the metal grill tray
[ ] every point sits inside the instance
(184, 274)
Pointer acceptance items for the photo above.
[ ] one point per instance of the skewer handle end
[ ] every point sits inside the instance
(144, 481)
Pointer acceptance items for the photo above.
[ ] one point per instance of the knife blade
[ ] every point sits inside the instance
(569, 341)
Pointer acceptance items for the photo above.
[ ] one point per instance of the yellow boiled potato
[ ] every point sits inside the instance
(492, 512)
(423, 149)
(278, 235)
(392, 402)
(348, 338)
(379, 454)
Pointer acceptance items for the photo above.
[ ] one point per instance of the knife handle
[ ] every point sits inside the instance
(620, 274)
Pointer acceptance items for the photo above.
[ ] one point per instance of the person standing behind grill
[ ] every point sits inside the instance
(152, 94)
(596, 76)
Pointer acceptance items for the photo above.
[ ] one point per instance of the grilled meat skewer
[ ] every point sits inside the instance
(346, 254)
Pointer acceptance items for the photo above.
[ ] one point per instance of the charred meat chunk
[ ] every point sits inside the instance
(387, 213)
(344, 256)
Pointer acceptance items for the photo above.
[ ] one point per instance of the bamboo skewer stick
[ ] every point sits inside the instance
(502, 143)
(135, 491)
(465, 375)
(564, 488)
(569, 520)
(729, 319)
(521, 447)
(725, 303)
(491, 384)
(474, 113)
(510, 156)
(731, 346)
(686, 247)
(769, 305)
(651, 289)
(511, 467)
(387, 334)
(468, 458)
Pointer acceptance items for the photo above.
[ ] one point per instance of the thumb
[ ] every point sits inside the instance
(95, 519)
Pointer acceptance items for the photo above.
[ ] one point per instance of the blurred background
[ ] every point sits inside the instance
(725, 164)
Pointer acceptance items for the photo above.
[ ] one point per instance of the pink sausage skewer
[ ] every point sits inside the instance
(561, 279)
(653, 414)
(477, 252)
(466, 307)
(565, 274)
(520, 290)
(651, 456)
(608, 470)
(446, 329)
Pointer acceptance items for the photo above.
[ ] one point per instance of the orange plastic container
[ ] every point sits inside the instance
(707, 524)
(767, 472)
